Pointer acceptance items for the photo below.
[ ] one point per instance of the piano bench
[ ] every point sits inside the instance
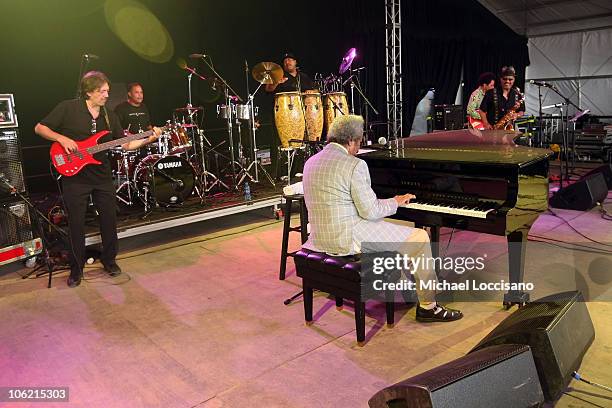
(340, 276)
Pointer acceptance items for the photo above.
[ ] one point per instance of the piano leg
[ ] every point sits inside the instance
(517, 242)
(434, 237)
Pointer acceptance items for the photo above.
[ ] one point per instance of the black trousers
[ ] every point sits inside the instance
(76, 199)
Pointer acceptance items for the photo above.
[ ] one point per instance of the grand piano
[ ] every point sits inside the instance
(471, 180)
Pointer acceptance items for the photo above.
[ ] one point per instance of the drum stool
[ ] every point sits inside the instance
(287, 228)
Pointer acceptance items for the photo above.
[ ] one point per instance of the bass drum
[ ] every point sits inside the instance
(164, 180)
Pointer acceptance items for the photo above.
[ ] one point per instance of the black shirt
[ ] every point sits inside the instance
(495, 113)
(71, 118)
(133, 118)
(291, 84)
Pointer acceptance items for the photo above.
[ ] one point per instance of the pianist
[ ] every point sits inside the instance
(344, 211)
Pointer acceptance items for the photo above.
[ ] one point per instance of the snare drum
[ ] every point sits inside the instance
(313, 109)
(164, 180)
(122, 161)
(289, 117)
(335, 105)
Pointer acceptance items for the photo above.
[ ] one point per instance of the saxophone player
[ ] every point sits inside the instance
(502, 100)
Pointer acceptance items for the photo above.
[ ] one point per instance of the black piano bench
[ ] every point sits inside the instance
(340, 277)
(287, 228)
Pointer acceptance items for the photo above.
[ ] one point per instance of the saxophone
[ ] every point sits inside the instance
(505, 121)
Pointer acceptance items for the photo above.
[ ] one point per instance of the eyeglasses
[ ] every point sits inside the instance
(508, 79)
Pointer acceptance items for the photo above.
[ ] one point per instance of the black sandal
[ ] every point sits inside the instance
(437, 314)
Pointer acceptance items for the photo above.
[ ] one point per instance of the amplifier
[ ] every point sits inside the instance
(17, 240)
(10, 161)
(448, 117)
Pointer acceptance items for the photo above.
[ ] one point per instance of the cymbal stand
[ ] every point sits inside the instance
(255, 162)
(230, 95)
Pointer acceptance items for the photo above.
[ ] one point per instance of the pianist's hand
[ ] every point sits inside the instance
(403, 199)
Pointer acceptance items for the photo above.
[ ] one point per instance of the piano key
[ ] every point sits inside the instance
(468, 211)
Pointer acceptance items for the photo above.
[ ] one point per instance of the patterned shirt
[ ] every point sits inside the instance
(474, 103)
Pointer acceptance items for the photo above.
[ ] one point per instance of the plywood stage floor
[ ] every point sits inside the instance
(197, 320)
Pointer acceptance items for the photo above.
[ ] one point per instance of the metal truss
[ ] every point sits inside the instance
(393, 45)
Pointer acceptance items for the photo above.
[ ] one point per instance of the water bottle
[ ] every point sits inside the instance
(247, 192)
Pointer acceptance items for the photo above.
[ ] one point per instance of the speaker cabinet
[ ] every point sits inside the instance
(15, 223)
(582, 195)
(499, 376)
(558, 329)
(10, 161)
(606, 171)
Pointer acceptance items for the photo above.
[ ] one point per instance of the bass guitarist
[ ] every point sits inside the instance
(501, 99)
(76, 120)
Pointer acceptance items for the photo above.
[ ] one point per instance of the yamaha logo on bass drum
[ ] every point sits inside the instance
(169, 165)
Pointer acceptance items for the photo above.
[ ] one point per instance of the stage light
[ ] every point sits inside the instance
(139, 29)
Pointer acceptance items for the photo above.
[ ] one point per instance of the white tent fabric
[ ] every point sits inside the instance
(578, 64)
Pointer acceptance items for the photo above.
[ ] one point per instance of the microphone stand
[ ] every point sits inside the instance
(228, 101)
(568, 102)
(366, 100)
(82, 69)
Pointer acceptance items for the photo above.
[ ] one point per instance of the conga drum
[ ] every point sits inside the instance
(313, 109)
(289, 117)
(335, 105)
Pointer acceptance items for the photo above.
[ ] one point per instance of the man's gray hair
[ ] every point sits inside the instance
(345, 129)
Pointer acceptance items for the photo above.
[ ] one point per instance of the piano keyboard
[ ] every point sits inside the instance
(476, 211)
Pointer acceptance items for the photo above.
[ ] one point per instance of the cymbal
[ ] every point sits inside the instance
(347, 60)
(188, 108)
(267, 73)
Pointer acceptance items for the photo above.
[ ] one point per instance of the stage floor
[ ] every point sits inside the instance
(197, 319)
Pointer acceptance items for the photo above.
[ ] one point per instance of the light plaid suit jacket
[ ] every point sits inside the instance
(341, 203)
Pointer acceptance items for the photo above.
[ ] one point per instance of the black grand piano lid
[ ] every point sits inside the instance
(466, 145)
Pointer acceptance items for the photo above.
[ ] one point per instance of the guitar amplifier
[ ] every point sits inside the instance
(448, 117)
(10, 162)
(17, 239)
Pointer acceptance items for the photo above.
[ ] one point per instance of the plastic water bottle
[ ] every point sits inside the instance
(247, 192)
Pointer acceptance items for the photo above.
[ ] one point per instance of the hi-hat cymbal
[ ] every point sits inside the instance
(267, 73)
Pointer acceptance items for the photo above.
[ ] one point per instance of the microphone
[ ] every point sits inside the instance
(198, 55)
(540, 83)
(91, 56)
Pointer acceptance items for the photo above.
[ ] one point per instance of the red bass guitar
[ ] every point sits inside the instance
(69, 164)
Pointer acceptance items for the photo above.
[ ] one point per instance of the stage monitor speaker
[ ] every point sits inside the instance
(582, 195)
(10, 161)
(606, 170)
(559, 331)
(499, 376)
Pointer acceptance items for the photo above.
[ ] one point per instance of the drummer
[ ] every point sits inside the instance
(133, 113)
(293, 79)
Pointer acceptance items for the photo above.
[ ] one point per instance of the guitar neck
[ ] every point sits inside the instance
(118, 142)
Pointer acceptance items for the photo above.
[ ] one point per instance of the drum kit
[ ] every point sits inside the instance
(168, 172)
(164, 173)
